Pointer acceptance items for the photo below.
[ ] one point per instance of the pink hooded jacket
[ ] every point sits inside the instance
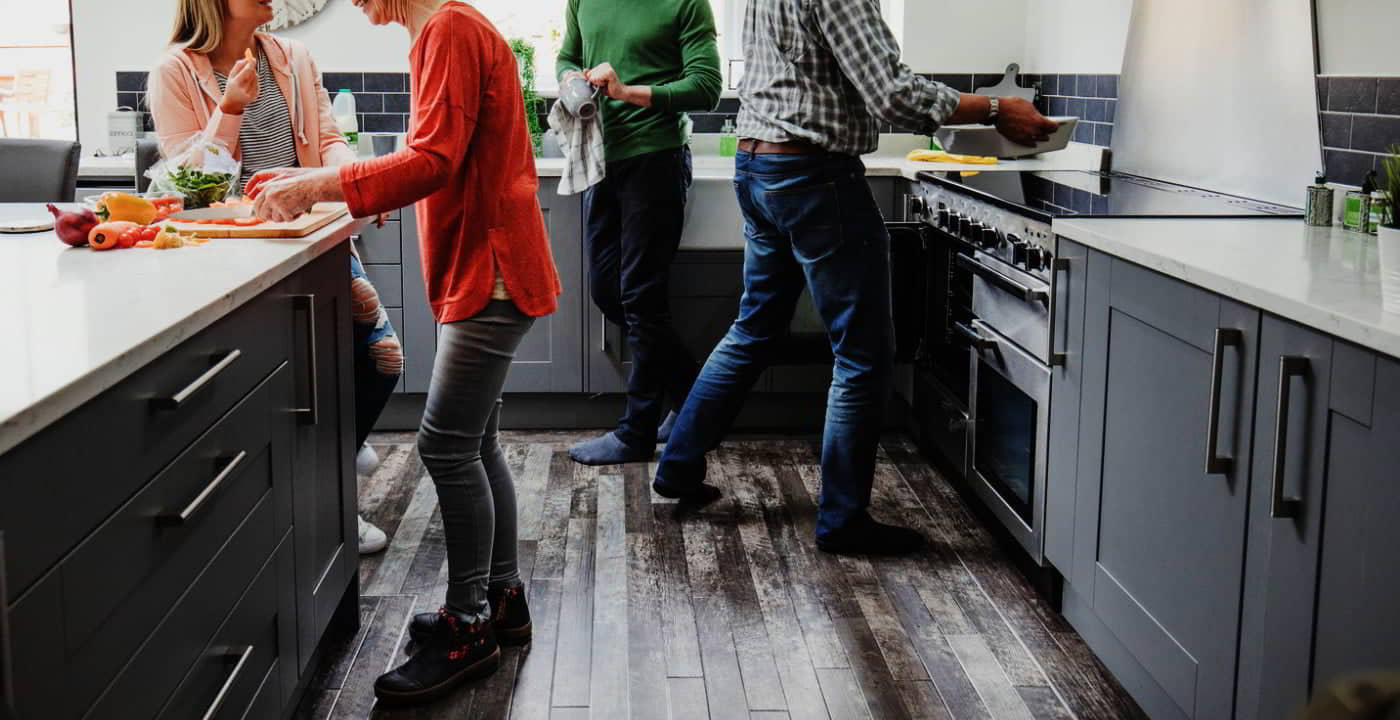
(184, 98)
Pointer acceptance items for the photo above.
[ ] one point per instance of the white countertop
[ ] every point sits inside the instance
(78, 321)
(1328, 279)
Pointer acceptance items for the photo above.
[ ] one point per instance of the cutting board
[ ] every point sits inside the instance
(320, 216)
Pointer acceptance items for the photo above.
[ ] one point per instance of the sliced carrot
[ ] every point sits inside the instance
(145, 244)
(248, 222)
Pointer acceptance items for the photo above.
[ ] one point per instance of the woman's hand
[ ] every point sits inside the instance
(284, 198)
(242, 87)
(266, 176)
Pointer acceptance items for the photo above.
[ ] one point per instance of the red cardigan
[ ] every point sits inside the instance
(470, 166)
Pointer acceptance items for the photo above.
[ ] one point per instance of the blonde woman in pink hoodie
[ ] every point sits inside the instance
(273, 113)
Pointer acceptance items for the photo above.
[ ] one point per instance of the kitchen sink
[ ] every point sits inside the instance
(712, 217)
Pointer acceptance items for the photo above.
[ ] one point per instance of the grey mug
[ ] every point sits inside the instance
(580, 98)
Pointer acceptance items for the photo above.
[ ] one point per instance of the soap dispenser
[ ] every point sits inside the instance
(728, 142)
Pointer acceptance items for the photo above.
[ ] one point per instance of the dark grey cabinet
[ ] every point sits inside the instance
(1066, 386)
(550, 358)
(1163, 483)
(197, 546)
(1285, 519)
(1358, 614)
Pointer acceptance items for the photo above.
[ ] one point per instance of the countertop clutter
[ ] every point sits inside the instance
(1326, 278)
(79, 321)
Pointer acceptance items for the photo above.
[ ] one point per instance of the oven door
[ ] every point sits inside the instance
(1010, 414)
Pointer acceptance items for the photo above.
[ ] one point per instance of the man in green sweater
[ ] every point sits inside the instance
(655, 62)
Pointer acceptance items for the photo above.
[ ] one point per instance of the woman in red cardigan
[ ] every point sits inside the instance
(470, 167)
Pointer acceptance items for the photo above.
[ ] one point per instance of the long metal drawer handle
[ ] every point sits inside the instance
(1005, 282)
(978, 340)
(1215, 463)
(228, 683)
(310, 414)
(175, 401)
(184, 515)
(1057, 358)
(1289, 367)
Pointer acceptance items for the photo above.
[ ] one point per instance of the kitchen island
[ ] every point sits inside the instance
(177, 491)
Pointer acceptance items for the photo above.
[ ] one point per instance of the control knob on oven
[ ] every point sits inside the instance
(918, 206)
(972, 231)
(990, 237)
(1020, 252)
(944, 216)
(1037, 258)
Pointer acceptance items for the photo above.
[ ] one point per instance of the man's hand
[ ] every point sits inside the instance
(604, 76)
(242, 87)
(1022, 124)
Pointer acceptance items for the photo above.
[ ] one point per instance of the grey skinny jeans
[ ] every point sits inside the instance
(459, 447)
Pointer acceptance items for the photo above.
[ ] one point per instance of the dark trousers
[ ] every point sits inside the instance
(811, 223)
(633, 223)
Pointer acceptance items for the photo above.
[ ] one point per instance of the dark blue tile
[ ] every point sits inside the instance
(1103, 135)
(1064, 195)
(1112, 111)
(1087, 85)
(1348, 168)
(397, 102)
(1108, 86)
(1323, 84)
(1388, 102)
(728, 105)
(1375, 133)
(133, 100)
(383, 122)
(1078, 107)
(708, 122)
(1069, 85)
(1336, 130)
(1098, 204)
(1084, 133)
(131, 81)
(1050, 84)
(369, 102)
(335, 82)
(982, 80)
(959, 82)
(385, 82)
(1059, 106)
(1096, 110)
(1352, 94)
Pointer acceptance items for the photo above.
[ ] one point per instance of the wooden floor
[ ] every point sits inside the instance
(728, 614)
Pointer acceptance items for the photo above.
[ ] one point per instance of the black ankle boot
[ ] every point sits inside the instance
(510, 618)
(454, 652)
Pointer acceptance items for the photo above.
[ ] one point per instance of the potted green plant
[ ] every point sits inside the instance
(1389, 233)
(525, 60)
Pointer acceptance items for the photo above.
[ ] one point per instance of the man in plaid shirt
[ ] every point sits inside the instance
(820, 75)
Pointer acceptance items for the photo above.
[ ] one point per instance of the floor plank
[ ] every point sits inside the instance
(728, 613)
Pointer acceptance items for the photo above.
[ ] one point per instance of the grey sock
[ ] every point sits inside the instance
(607, 450)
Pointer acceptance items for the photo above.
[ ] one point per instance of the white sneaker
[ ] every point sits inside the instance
(366, 460)
(372, 539)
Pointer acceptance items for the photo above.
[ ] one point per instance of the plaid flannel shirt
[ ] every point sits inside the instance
(826, 72)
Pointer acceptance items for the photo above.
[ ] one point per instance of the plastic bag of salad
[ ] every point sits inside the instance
(204, 171)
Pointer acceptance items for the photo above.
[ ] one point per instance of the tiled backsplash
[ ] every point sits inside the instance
(382, 99)
(1360, 119)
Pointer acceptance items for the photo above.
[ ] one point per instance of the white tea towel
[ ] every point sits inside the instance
(581, 141)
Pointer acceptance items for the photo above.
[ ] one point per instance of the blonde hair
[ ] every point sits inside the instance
(199, 25)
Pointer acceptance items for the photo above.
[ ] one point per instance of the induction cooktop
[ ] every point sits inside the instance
(1074, 193)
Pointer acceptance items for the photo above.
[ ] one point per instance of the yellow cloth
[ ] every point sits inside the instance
(946, 157)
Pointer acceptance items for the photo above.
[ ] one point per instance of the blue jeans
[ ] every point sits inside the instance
(378, 354)
(811, 222)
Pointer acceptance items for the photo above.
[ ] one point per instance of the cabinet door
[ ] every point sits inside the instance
(550, 358)
(1071, 280)
(323, 481)
(1358, 616)
(7, 690)
(1159, 545)
(1285, 519)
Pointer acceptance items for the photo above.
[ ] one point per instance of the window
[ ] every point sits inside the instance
(541, 23)
(36, 71)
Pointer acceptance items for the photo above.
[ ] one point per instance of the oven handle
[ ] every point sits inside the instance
(1059, 358)
(976, 339)
(1003, 281)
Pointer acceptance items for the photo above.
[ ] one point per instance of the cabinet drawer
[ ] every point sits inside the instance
(66, 480)
(231, 670)
(388, 280)
(172, 649)
(120, 581)
(380, 245)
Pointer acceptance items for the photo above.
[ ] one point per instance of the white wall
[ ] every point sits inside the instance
(1358, 37)
(955, 36)
(108, 36)
(1076, 36)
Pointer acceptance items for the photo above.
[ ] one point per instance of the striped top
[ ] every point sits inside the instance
(265, 137)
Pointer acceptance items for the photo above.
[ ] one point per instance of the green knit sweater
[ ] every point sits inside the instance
(667, 44)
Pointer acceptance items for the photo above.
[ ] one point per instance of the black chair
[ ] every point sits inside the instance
(38, 170)
(147, 154)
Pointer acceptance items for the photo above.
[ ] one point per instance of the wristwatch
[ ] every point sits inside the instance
(995, 111)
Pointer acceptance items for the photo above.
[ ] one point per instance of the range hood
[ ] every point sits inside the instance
(1221, 94)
